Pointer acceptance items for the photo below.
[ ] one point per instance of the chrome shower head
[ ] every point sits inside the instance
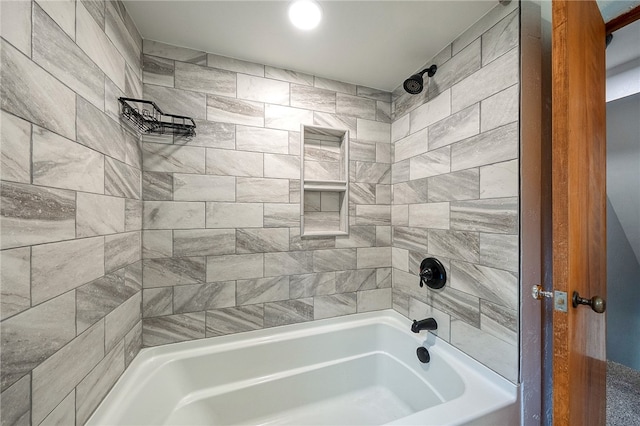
(414, 84)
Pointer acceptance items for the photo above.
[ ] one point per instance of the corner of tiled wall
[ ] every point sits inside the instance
(222, 251)
(71, 209)
(455, 186)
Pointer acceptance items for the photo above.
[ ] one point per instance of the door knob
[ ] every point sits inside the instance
(597, 303)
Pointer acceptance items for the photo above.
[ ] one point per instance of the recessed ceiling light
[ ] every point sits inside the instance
(305, 14)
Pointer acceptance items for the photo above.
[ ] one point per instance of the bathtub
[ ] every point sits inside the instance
(353, 370)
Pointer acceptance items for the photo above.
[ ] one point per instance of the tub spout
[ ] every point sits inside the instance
(425, 324)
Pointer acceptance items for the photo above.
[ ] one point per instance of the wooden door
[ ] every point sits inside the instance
(579, 210)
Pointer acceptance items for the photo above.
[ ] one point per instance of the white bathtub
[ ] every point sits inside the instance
(353, 370)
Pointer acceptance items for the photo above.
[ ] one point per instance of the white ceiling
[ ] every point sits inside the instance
(371, 43)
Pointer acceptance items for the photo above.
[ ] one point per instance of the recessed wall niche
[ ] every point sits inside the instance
(324, 173)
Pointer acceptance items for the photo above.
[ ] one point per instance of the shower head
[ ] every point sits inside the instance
(414, 84)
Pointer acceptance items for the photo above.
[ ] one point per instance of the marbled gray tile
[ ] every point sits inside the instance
(111, 95)
(334, 121)
(54, 51)
(157, 244)
(458, 126)
(404, 102)
(321, 170)
(210, 135)
(99, 297)
(234, 320)
(173, 215)
(375, 94)
(359, 236)
(132, 215)
(33, 335)
(462, 185)
(132, 343)
(15, 27)
(500, 109)
(157, 186)
(125, 38)
(122, 320)
(354, 280)
(313, 98)
(400, 128)
(334, 260)
(362, 151)
(316, 243)
(282, 166)
(190, 187)
(374, 300)
(481, 26)
(430, 112)
(30, 92)
(362, 193)
(374, 131)
(281, 215)
(98, 214)
(15, 276)
(16, 401)
(157, 302)
(288, 75)
(59, 374)
(15, 148)
(400, 170)
(204, 242)
(158, 71)
(418, 309)
(173, 328)
(235, 65)
(133, 275)
(98, 131)
(383, 236)
(383, 112)
(235, 215)
(400, 302)
(257, 190)
(288, 263)
(430, 164)
(414, 191)
(262, 290)
(410, 238)
(156, 48)
(121, 250)
(463, 64)
(412, 145)
(334, 305)
(121, 180)
(59, 267)
(260, 89)
(235, 267)
(173, 158)
(501, 38)
(499, 321)
(494, 146)
(500, 180)
(429, 215)
(177, 101)
(500, 251)
(236, 111)
(400, 215)
(336, 86)
(288, 312)
(490, 79)
(93, 388)
(204, 79)
(355, 106)
(262, 140)
(372, 172)
(173, 271)
(262, 240)
(286, 118)
(384, 277)
(373, 215)
(308, 285)
(201, 297)
(458, 304)
(457, 245)
(95, 43)
(490, 284)
(373, 257)
(133, 86)
(234, 163)
(498, 215)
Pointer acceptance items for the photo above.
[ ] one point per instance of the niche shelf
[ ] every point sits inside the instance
(147, 117)
(324, 177)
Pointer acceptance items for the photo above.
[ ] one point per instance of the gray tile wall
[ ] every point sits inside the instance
(71, 209)
(222, 251)
(455, 192)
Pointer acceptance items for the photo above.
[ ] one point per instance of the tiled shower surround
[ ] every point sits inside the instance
(111, 242)
(71, 209)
